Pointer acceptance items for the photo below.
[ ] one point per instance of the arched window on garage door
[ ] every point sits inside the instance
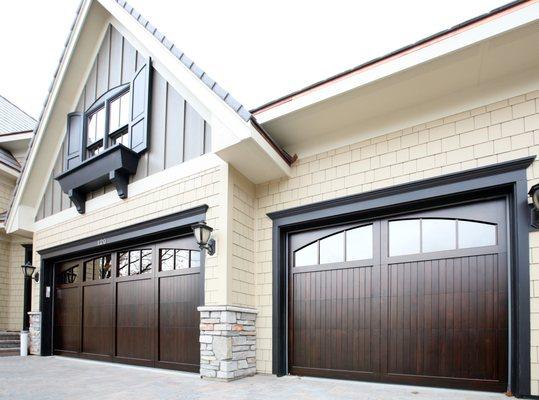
(425, 235)
(347, 245)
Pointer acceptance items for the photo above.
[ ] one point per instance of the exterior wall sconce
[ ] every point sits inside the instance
(534, 194)
(202, 234)
(28, 271)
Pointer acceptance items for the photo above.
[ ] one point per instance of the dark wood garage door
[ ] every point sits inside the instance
(415, 299)
(136, 305)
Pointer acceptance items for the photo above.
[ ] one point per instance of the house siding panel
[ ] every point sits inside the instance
(115, 63)
(194, 134)
(175, 127)
(103, 66)
(156, 156)
(11, 282)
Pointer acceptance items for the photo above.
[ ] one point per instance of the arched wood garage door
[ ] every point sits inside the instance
(416, 299)
(135, 305)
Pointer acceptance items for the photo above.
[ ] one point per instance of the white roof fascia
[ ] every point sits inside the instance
(492, 26)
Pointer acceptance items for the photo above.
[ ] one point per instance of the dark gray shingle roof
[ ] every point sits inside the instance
(13, 119)
(195, 69)
(7, 158)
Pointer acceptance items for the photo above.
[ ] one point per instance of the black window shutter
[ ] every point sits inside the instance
(141, 89)
(75, 139)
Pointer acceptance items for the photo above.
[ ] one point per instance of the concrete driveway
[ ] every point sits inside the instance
(58, 378)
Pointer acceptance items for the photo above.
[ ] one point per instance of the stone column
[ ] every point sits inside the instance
(34, 332)
(227, 342)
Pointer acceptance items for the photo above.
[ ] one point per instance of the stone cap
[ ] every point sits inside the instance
(228, 308)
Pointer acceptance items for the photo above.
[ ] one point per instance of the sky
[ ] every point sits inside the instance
(258, 50)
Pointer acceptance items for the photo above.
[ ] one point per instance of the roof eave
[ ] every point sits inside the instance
(271, 110)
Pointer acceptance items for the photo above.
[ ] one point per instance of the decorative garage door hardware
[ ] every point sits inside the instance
(136, 305)
(113, 165)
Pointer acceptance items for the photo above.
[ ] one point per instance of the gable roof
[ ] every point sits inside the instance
(181, 56)
(13, 119)
(238, 123)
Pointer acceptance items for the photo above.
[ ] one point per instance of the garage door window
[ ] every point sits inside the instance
(134, 262)
(173, 259)
(98, 268)
(349, 245)
(476, 234)
(68, 274)
(413, 236)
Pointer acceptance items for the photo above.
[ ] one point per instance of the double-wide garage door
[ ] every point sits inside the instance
(135, 305)
(418, 299)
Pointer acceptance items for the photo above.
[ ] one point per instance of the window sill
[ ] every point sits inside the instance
(114, 165)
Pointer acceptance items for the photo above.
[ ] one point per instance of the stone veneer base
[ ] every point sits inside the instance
(227, 342)
(34, 333)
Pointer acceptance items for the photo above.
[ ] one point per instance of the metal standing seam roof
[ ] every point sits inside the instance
(13, 119)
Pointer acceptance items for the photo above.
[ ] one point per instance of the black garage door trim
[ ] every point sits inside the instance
(506, 179)
(149, 231)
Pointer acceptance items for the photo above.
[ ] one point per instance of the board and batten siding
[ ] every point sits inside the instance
(178, 132)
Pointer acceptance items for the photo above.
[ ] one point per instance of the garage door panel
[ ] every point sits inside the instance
(67, 319)
(97, 324)
(134, 319)
(432, 333)
(326, 333)
(178, 326)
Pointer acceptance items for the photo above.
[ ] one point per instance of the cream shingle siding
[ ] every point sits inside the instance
(197, 189)
(11, 259)
(242, 290)
(494, 133)
(6, 188)
(11, 282)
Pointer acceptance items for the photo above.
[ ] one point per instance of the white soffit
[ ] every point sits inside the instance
(501, 66)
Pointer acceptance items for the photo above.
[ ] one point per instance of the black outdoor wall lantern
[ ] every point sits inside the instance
(28, 271)
(534, 194)
(202, 234)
